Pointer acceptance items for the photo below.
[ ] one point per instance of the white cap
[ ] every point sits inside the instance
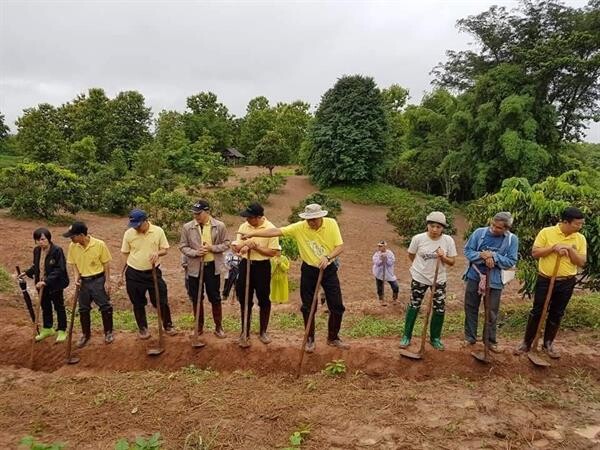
(437, 217)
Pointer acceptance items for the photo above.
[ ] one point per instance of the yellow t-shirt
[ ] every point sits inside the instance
(550, 236)
(89, 260)
(314, 244)
(269, 242)
(140, 246)
(206, 238)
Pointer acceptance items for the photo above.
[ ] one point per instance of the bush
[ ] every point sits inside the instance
(373, 194)
(168, 210)
(40, 190)
(409, 218)
(328, 203)
(289, 247)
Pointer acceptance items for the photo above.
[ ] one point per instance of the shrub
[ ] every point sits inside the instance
(40, 190)
(409, 218)
(328, 203)
(168, 210)
(289, 247)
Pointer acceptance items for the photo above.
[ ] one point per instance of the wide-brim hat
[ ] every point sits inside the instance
(437, 217)
(313, 211)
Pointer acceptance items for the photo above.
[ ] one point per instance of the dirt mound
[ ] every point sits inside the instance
(375, 357)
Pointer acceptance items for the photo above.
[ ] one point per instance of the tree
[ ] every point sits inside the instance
(260, 118)
(3, 133)
(555, 45)
(208, 117)
(38, 134)
(348, 133)
(81, 158)
(291, 124)
(270, 152)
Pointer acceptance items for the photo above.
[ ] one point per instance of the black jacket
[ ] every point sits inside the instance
(56, 276)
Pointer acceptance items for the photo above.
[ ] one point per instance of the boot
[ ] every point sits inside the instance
(61, 336)
(44, 333)
(530, 331)
(86, 328)
(409, 324)
(107, 324)
(435, 330)
(217, 312)
(310, 345)
(333, 338)
(549, 336)
(142, 322)
(265, 314)
(167, 322)
(201, 319)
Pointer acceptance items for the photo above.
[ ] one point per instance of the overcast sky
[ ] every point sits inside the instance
(52, 50)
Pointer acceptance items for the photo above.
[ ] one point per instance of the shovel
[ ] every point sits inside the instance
(244, 343)
(26, 296)
(196, 342)
(71, 359)
(419, 355)
(479, 356)
(533, 355)
(157, 350)
(311, 318)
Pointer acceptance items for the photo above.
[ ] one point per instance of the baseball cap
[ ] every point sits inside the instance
(200, 205)
(75, 229)
(136, 218)
(253, 210)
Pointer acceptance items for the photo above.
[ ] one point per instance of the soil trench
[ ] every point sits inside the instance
(374, 357)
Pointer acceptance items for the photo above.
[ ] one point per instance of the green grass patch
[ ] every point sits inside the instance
(374, 194)
(6, 282)
(10, 160)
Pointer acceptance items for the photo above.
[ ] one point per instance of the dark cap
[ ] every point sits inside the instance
(253, 210)
(199, 206)
(136, 218)
(75, 229)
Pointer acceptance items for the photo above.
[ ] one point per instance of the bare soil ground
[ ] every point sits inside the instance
(250, 399)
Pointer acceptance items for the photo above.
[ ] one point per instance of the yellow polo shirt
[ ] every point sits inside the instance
(314, 244)
(268, 242)
(140, 246)
(89, 260)
(206, 238)
(550, 236)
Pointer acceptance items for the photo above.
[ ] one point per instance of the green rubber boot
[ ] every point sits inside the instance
(46, 332)
(435, 331)
(409, 324)
(61, 336)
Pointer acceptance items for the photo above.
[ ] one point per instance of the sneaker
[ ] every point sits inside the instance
(171, 331)
(220, 334)
(339, 344)
(61, 336)
(494, 348)
(466, 343)
(551, 351)
(46, 332)
(522, 348)
(310, 346)
(144, 334)
(108, 337)
(264, 338)
(83, 341)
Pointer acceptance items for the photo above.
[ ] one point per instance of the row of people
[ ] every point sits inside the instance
(490, 250)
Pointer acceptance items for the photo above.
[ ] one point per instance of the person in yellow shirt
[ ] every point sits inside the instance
(203, 240)
(280, 265)
(89, 260)
(143, 245)
(261, 250)
(319, 244)
(562, 240)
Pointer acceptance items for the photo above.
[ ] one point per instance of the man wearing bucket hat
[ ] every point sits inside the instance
(89, 259)
(383, 270)
(424, 251)
(203, 241)
(261, 250)
(143, 245)
(490, 250)
(319, 243)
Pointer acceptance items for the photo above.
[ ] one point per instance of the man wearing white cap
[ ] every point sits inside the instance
(383, 270)
(424, 251)
(319, 244)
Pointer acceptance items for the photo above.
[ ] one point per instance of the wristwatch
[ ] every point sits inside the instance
(328, 258)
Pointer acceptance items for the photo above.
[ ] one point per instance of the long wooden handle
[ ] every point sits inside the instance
(546, 303)
(311, 318)
(486, 325)
(158, 308)
(70, 337)
(246, 325)
(199, 298)
(429, 306)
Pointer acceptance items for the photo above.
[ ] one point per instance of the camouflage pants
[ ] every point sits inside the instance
(417, 294)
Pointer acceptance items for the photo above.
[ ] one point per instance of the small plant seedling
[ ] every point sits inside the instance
(298, 437)
(30, 443)
(335, 368)
(154, 442)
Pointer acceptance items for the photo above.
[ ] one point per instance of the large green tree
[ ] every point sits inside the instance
(206, 116)
(39, 135)
(259, 119)
(348, 135)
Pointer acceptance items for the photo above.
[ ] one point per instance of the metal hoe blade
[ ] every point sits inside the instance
(72, 360)
(480, 356)
(536, 359)
(155, 351)
(409, 354)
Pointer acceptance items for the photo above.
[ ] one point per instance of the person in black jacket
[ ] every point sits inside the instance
(49, 270)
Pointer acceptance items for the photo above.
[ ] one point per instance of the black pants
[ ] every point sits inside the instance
(260, 283)
(212, 283)
(93, 290)
(57, 299)
(140, 282)
(230, 281)
(561, 295)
